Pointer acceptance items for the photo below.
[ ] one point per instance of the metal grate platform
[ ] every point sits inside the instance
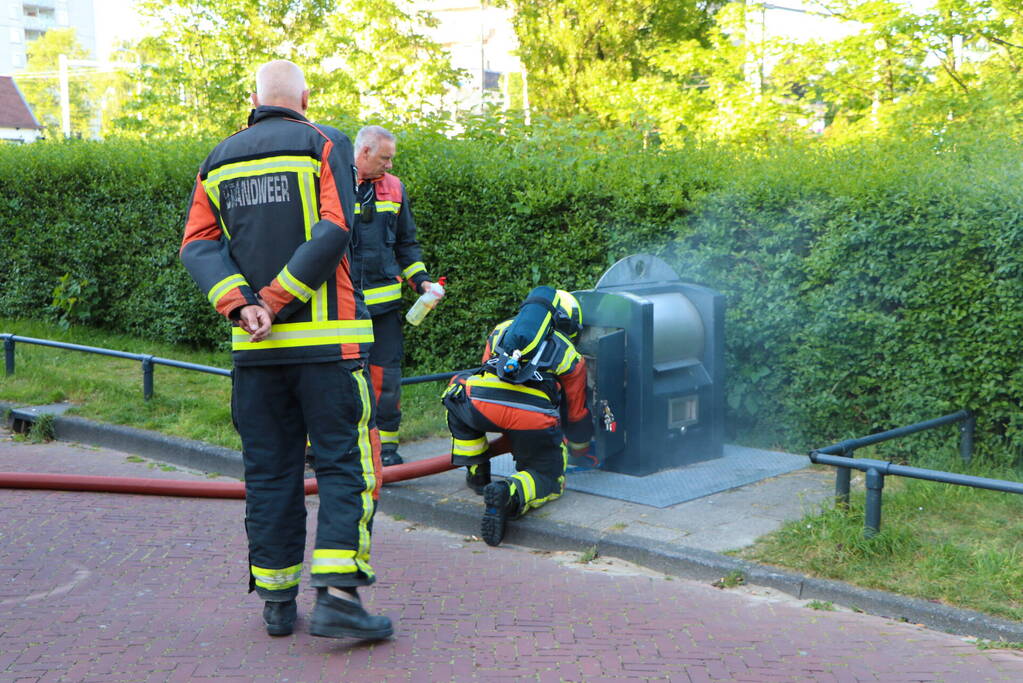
(739, 466)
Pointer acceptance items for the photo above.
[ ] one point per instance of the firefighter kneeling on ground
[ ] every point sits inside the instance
(532, 383)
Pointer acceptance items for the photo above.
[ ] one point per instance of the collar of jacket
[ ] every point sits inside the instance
(260, 113)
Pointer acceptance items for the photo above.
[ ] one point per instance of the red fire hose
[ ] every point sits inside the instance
(209, 489)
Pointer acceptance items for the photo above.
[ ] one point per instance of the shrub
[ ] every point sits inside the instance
(867, 286)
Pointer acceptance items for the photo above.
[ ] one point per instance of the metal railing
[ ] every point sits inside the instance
(840, 456)
(149, 361)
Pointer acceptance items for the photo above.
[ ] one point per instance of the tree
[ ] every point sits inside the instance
(955, 66)
(40, 84)
(587, 56)
(359, 56)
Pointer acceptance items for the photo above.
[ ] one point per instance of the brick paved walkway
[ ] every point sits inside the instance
(109, 588)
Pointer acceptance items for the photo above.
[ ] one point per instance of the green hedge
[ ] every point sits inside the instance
(867, 287)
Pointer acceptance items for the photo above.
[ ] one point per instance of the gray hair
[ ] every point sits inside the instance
(370, 136)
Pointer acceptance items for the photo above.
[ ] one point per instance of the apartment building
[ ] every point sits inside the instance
(22, 21)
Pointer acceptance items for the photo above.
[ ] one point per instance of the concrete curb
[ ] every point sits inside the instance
(405, 501)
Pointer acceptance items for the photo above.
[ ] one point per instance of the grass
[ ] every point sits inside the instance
(185, 403)
(953, 545)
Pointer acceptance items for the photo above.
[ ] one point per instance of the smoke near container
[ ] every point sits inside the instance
(655, 350)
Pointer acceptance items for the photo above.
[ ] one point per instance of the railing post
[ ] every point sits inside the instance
(842, 475)
(875, 487)
(9, 355)
(966, 429)
(147, 377)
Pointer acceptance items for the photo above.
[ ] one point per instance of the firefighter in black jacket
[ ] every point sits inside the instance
(532, 389)
(386, 253)
(267, 239)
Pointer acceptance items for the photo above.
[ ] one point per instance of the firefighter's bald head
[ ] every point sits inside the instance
(280, 83)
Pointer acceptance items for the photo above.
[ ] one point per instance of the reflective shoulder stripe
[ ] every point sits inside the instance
(569, 355)
(252, 167)
(496, 333)
(291, 335)
(413, 268)
(388, 207)
(218, 290)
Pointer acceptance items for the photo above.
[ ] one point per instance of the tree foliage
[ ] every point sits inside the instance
(360, 57)
(584, 56)
(710, 71)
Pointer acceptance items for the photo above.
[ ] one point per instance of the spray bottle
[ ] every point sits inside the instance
(426, 302)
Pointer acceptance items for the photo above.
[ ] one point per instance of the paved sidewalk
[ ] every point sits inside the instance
(108, 588)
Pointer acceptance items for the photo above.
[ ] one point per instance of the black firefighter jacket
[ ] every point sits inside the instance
(269, 219)
(384, 244)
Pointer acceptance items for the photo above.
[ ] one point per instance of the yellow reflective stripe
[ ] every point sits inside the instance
(576, 446)
(388, 437)
(469, 447)
(379, 295)
(368, 474)
(294, 286)
(276, 579)
(310, 208)
(281, 164)
(319, 304)
(414, 268)
(218, 290)
(528, 485)
(290, 335)
(496, 333)
(304, 167)
(540, 335)
(385, 207)
(333, 561)
(213, 193)
(570, 357)
(310, 215)
(484, 381)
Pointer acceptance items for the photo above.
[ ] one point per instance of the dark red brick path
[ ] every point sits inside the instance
(105, 588)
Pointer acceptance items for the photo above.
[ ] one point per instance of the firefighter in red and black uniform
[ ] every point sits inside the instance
(385, 254)
(532, 389)
(267, 239)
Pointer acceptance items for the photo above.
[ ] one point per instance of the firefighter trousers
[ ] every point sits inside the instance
(274, 407)
(385, 358)
(540, 454)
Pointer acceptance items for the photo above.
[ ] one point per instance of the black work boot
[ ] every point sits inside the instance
(478, 476)
(336, 618)
(389, 456)
(279, 617)
(500, 504)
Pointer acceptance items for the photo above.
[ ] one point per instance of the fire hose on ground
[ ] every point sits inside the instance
(211, 489)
